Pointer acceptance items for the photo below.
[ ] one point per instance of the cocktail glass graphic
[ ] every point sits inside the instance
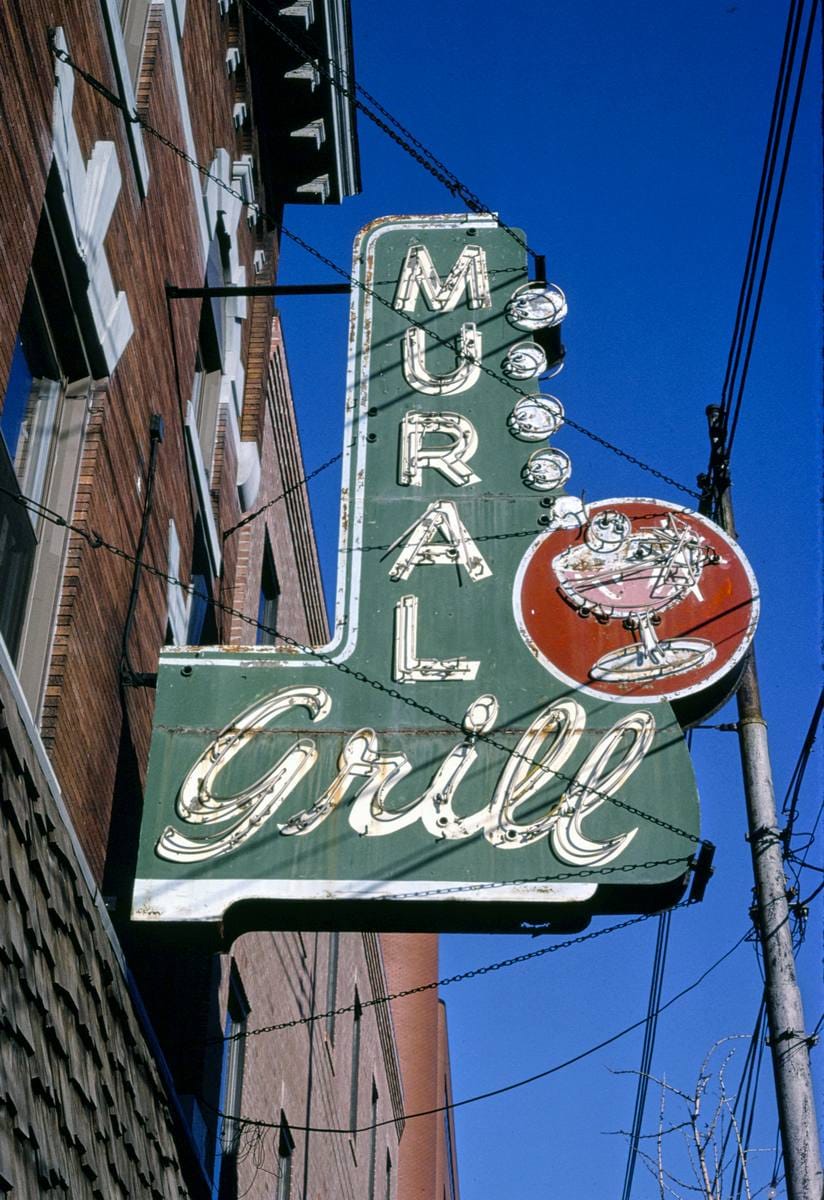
(635, 574)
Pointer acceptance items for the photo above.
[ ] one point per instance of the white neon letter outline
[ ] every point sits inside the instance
(196, 803)
(451, 461)
(418, 274)
(440, 518)
(466, 373)
(407, 666)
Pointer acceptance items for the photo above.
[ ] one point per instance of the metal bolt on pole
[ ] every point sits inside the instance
(789, 1044)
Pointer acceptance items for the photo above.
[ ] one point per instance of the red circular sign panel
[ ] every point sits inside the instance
(642, 601)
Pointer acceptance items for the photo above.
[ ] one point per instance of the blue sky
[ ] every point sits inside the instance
(627, 142)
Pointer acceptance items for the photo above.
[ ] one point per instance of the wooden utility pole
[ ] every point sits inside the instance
(788, 1041)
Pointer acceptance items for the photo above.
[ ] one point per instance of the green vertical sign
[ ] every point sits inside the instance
(432, 767)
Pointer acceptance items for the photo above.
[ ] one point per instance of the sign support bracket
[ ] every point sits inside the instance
(263, 289)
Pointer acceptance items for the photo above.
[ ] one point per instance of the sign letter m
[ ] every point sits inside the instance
(418, 274)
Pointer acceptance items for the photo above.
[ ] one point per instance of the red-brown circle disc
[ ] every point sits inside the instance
(644, 601)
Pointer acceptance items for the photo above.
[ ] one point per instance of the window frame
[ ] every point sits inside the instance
(354, 1081)
(126, 91)
(286, 1149)
(49, 319)
(268, 600)
(372, 1162)
(230, 1095)
(333, 953)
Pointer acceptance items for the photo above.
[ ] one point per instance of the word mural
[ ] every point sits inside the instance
(493, 736)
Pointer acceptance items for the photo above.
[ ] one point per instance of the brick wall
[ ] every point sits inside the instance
(423, 1050)
(306, 1072)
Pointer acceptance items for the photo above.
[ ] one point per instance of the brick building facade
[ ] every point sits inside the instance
(153, 426)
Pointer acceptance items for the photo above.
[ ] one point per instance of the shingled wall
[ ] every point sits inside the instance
(83, 1109)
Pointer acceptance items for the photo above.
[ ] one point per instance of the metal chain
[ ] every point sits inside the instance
(99, 543)
(562, 876)
(282, 495)
(368, 291)
(473, 973)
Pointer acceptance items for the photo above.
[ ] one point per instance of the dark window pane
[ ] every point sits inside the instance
(268, 599)
(17, 398)
(17, 546)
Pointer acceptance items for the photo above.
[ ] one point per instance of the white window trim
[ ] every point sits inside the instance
(248, 474)
(179, 9)
(33, 477)
(40, 624)
(178, 600)
(134, 134)
(91, 191)
(212, 538)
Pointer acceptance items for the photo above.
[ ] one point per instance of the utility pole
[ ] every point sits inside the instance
(788, 1041)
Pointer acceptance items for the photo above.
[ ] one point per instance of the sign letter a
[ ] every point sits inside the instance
(439, 537)
(418, 274)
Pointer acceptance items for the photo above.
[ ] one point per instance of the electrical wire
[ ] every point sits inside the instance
(129, 677)
(747, 312)
(764, 187)
(744, 1105)
(509, 1087)
(135, 117)
(650, 1030)
(733, 424)
(96, 542)
(473, 973)
(747, 1118)
(789, 808)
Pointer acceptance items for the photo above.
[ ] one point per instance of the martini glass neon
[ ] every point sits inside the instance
(634, 575)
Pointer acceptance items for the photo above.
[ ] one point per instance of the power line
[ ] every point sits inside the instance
(135, 118)
(747, 313)
(650, 1030)
(747, 1117)
(790, 806)
(488, 371)
(764, 186)
(96, 542)
(474, 973)
(510, 1087)
(745, 1094)
(733, 425)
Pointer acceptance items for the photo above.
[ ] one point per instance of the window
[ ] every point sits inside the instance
(269, 596)
(286, 1146)
(134, 15)
(332, 985)
(353, 1088)
(387, 1194)
(231, 1089)
(32, 397)
(209, 363)
(373, 1141)
(209, 387)
(450, 1150)
(202, 629)
(43, 415)
(27, 425)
